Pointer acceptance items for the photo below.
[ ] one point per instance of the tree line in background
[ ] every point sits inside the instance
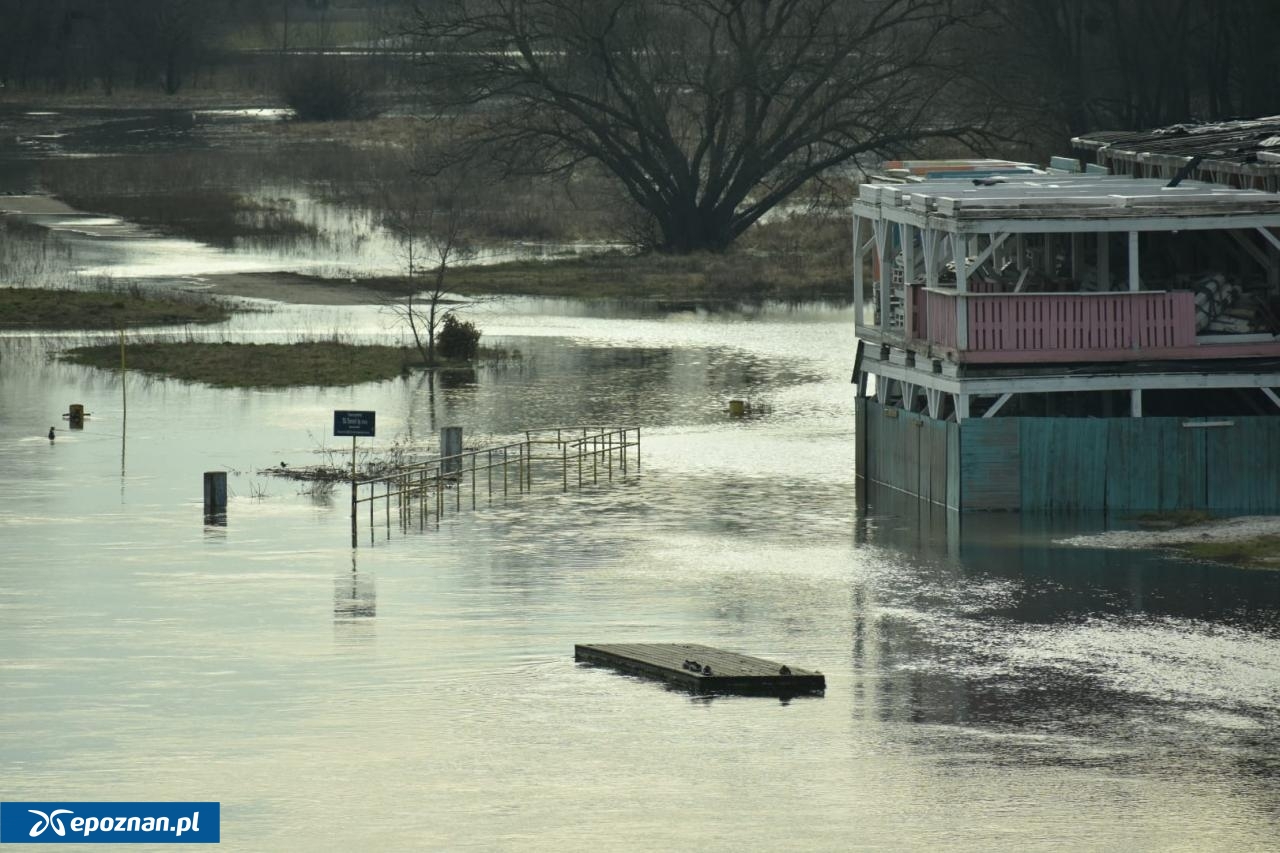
(1076, 64)
(1073, 66)
(705, 114)
(165, 45)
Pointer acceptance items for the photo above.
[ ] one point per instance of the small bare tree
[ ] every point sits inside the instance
(432, 217)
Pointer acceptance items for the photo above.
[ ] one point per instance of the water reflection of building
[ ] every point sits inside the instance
(986, 618)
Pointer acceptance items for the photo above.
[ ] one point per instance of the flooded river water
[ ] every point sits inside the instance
(988, 688)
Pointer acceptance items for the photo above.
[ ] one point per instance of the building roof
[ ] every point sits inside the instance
(1239, 153)
(1070, 203)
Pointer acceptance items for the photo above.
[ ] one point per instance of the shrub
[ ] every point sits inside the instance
(326, 89)
(458, 339)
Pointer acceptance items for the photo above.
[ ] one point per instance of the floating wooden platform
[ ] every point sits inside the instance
(716, 671)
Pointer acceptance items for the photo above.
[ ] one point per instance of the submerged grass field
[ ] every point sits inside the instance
(705, 277)
(33, 308)
(233, 365)
(254, 365)
(1260, 552)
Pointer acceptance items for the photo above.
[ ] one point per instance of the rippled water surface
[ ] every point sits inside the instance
(988, 689)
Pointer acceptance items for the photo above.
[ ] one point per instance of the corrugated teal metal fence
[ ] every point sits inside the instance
(1075, 463)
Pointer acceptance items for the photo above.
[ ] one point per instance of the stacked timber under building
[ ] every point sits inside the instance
(1069, 340)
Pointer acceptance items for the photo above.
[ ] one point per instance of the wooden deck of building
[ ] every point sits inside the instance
(703, 669)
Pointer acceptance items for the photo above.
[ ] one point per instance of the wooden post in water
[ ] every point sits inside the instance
(215, 492)
(451, 450)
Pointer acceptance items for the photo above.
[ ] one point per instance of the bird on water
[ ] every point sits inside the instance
(51, 433)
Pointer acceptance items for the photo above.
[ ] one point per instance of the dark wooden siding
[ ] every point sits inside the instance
(1154, 464)
(1069, 464)
(1242, 464)
(990, 450)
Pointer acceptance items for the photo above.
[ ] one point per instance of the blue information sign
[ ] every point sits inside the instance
(353, 423)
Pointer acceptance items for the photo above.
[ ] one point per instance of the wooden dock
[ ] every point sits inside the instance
(703, 669)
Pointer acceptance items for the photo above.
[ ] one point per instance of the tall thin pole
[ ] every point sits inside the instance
(353, 492)
(124, 406)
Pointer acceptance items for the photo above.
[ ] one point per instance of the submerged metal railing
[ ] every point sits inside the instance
(421, 490)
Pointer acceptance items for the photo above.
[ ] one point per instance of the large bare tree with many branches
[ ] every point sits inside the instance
(708, 113)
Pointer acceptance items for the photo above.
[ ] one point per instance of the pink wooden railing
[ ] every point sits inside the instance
(1059, 323)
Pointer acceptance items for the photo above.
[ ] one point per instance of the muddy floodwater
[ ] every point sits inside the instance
(988, 687)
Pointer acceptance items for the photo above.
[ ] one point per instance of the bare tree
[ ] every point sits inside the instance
(708, 113)
(432, 217)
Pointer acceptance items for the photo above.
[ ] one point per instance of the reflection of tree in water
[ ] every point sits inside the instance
(567, 384)
(457, 377)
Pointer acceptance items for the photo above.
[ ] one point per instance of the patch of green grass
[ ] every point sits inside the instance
(1262, 552)
(735, 276)
(1172, 520)
(101, 309)
(228, 365)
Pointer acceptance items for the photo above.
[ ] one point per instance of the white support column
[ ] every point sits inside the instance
(962, 288)
(1135, 403)
(1273, 258)
(962, 408)
(996, 406)
(1269, 237)
(1104, 260)
(909, 392)
(934, 400)
(997, 240)
(907, 239)
(882, 390)
(1135, 277)
(858, 275)
(886, 270)
(929, 240)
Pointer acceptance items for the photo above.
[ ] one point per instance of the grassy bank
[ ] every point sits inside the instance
(101, 309)
(731, 277)
(229, 365)
(1260, 552)
(1200, 535)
